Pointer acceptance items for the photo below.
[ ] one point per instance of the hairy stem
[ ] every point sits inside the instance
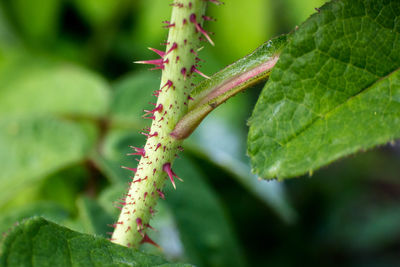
(178, 63)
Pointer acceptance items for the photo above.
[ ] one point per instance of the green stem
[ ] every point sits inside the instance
(225, 84)
(160, 150)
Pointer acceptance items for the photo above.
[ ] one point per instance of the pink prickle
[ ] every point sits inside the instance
(160, 193)
(168, 84)
(157, 93)
(183, 71)
(150, 135)
(171, 174)
(169, 24)
(147, 239)
(150, 62)
(157, 147)
(159, 108)
(139, 151)
(159, 63)
(192, 19)
(139, 224)
(194, 69)
(131, 169)
(173, 47)
(208, 18)
(159, 52)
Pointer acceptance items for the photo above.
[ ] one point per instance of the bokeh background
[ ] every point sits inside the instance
(71, 102)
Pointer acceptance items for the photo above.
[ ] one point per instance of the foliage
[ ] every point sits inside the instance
(66, 123)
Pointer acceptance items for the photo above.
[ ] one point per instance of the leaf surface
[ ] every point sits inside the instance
(33, 147)
(38, 242)
(334, 91)
(47, 87)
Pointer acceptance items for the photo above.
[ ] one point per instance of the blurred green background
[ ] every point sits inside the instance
(71, 102)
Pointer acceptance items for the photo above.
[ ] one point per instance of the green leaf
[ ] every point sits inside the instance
(334, 91)
(205, 230)
(38, 242)
(47, 87)
(241, 26)
(98, 12)
(94, 217)
(34, 147)
(138, 87)
(41, 25)
(47, 210)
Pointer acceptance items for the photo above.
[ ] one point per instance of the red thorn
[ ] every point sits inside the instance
(147, 239)
(139, 224)
(171, 174)
(194, 69)
(160, 193)
(169, 83)
(145, 195)
(169, 25)
(149, 226)
(208, 18)
(156, 93)
(131, 169)
(183, 71)
(199, 28)
(158, 146)
(150, 135)
(193, 52)
(159, 52)
(161, 67)
(139, 151)
(154, 171)
(138, 180)
(190, 98)
(112, 225)
(159, 108)
(151, 62)
(118, 207)
(173, 47)
(127, 229)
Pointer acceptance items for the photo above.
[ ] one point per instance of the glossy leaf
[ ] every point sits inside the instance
(34, 147)
(334, 91)
(206, 232)
(45, 87)
(41, 26)
(47, 210)
(38, 242)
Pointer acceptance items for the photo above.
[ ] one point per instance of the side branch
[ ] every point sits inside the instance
(225, 84)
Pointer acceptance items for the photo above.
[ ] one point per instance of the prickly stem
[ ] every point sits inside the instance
(160, 149)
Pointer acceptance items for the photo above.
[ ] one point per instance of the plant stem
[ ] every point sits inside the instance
(177, 63)
(235, 78)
